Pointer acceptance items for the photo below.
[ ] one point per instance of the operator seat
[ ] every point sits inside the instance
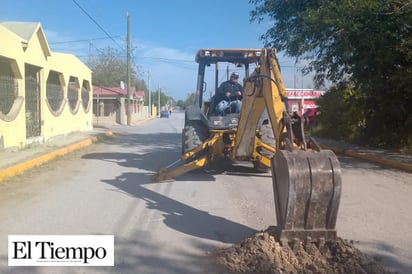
(211, 107)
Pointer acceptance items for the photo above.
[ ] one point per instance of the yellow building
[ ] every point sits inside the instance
(42, 93)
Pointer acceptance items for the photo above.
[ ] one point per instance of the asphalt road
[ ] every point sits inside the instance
(170, 227)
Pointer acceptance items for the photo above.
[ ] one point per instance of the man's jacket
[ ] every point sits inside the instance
(229, 86)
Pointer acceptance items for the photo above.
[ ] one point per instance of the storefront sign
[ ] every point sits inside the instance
(304, 94)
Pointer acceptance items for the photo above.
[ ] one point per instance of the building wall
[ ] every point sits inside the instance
(13, 125)
(67, 122)
(112, 110)
(110, 105)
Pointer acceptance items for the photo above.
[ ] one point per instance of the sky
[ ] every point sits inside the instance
(165, 34)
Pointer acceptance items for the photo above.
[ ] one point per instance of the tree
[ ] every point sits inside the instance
(344, 118)
(357, 44)
(164, 99)
(190, 99)
(110, 68)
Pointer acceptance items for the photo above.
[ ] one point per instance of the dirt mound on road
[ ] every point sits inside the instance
(261, 253)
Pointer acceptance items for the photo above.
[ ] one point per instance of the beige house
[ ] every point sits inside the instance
(110, 105)
(42, 93)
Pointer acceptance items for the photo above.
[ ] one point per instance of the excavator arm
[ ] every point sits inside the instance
(306, 180)
(263, 89)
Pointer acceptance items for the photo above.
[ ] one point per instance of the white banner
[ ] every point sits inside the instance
(304, 94)
(61, 250)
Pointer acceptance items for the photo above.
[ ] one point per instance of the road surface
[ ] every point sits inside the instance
(106, 189)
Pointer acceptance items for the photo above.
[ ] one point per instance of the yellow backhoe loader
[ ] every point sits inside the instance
(306, 179)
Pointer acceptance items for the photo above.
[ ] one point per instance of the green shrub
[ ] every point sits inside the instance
(341, 114)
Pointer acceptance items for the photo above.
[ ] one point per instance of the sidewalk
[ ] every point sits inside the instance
(15, 162)
(378, 156)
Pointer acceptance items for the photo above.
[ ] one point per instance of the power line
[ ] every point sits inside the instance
(99, 50)
(82, 40)
(167, 59)
(97, 24)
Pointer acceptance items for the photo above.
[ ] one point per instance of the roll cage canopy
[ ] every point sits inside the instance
(213, 56)
(235, 56)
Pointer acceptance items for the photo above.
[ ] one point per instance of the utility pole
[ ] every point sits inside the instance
(150, 95)
(89, 58)
(129, 96)
(158, 102)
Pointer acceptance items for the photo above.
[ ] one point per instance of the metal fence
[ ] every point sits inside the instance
(73, 96)
(8, 93)
(32, 98)
(54, 95)
(85, 98)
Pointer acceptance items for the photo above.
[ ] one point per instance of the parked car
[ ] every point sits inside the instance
(164, 114)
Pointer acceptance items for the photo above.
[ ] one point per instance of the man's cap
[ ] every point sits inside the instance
(234, 75)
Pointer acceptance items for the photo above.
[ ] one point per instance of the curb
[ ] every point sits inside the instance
(371, 158)
(39, 160)
(144, 121)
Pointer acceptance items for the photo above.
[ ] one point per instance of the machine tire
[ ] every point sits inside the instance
(194, 134)
(266, 135)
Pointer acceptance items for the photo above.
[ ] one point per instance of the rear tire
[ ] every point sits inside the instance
(267, 137)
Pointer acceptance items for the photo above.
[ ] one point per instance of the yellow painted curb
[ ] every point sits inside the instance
(39, 160)
(371, 158)
(144, 121)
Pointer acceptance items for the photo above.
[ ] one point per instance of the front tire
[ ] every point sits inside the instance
(193, 135)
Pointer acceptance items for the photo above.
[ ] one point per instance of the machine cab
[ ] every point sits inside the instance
(215, 67)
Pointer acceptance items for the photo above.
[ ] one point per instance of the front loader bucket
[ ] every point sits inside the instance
(307, 188)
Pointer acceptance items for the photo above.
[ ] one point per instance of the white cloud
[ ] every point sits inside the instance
(172, 70)
(66, 44)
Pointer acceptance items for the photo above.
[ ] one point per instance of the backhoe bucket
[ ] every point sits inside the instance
(307, 188)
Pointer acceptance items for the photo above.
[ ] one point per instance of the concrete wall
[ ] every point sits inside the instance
(113, 118)
(12, 124)
(67, 121)
(19, 53)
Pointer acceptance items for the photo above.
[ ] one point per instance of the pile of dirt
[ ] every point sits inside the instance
(261, 253)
